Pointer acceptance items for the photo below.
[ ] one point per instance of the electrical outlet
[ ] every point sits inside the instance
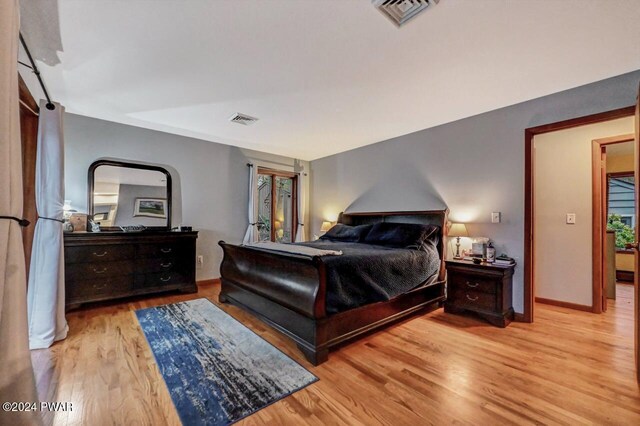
(495, 217)
(200, 261)
(571, 218)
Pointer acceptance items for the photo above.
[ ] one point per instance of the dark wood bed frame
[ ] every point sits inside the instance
(287, 291)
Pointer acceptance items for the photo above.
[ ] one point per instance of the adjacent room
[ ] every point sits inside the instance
(319, 212)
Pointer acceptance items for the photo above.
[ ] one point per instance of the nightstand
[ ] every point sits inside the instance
(484, 289)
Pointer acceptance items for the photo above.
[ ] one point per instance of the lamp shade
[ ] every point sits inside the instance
(458, 230)
(326, 225)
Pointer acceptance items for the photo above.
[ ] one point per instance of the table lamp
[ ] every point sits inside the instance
(458, 230)
(326, 225)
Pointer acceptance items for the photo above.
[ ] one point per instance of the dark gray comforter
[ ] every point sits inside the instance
(372, 273)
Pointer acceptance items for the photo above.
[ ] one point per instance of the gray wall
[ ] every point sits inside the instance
(474, 166)
(210, 181)
(126, 204)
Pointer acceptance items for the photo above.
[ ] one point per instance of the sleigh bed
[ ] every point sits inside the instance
(322, 301)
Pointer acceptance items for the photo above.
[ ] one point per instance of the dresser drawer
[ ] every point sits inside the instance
(164, 250)
(97, 270)
(474, 282)
(474, 300)
(98, 253)
(86, 290)
(159, 280)
(158, 264)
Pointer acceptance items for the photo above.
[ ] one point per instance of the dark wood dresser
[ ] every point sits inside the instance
(484, 289)
(111, 265)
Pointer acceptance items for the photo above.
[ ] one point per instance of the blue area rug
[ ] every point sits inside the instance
(217, 370)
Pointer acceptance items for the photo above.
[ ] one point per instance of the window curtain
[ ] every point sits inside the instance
(300, 234)
(47, 323)
(16, 373)
(252, 230)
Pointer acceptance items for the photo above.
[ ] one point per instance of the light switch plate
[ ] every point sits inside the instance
(495, 217)
(571, 218)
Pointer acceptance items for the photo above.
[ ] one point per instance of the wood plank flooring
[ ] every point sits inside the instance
(569, 367)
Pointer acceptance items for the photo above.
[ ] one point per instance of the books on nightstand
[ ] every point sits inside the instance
(503, 259)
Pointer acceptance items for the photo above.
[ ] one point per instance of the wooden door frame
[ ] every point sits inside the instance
(529, 134)
(294, 198)
(29, 119)
(599, 209)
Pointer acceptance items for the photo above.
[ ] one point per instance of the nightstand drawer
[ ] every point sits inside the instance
(474, 282)
(474, 300)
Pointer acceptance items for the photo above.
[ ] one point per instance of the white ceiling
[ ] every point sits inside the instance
(323, 76)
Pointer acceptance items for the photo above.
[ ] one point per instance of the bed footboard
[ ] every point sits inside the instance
(293, 281)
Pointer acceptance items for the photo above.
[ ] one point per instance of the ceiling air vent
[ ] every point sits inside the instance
(243, 119)
(401, 11)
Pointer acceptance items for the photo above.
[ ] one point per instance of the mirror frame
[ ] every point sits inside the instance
(115, 163)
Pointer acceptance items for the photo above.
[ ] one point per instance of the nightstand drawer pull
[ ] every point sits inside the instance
(102, 271)
(471, 299)
(164, 280)
(166, 265)
(165, 250)
(472, 285)
(104, 253)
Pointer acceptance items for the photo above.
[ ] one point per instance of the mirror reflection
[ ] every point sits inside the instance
(125, 196)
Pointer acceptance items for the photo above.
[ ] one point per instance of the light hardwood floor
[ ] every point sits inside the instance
(569, 367)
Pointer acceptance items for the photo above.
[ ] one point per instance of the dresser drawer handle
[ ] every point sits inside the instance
(472, 285)
(166, 265)
(101, 254)
(164, 280)
(102, 271)
(165, 250)
(471, 299)
(99, 287)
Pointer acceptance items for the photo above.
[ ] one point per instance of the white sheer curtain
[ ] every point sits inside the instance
(16, 373)
(47, 323)
(300, 232)
(252, 230)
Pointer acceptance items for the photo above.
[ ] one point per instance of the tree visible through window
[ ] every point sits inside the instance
(621, 213)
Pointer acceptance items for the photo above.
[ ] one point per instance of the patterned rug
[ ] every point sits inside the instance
(217, 370)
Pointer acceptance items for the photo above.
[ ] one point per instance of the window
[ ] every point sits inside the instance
(621, 205)
(277, 205)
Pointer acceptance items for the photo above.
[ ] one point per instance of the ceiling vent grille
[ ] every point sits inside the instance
(401, 11)
(243, 119)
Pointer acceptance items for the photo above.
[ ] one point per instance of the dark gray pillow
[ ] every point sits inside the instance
(346, 233)
(402, 235)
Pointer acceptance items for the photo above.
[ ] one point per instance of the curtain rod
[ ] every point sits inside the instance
(34, 68)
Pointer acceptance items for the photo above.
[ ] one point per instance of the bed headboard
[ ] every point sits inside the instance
(429, 217)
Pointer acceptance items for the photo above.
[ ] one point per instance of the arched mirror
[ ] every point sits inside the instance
(126, 194)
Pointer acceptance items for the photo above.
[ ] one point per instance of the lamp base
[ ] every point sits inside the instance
(457, 255)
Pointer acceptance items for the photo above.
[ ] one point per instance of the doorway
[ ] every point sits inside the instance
(570, 179)
(531, 248)
(614, 215)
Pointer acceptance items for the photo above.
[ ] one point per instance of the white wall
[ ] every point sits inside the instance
(563, 184)
(474, 166)
(210, 181)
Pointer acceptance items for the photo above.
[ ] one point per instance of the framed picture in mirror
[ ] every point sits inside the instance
(150, 207)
